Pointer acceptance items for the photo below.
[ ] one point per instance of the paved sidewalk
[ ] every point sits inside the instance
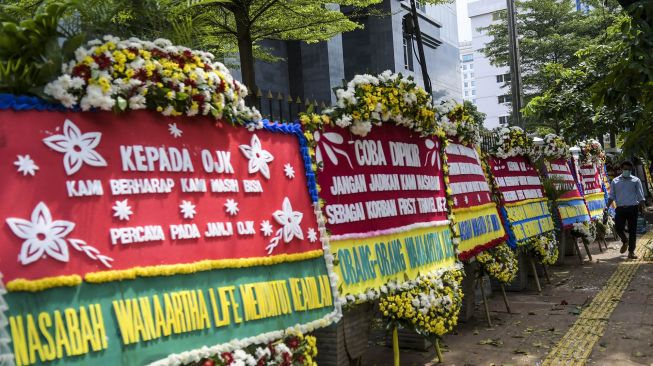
(621, 336)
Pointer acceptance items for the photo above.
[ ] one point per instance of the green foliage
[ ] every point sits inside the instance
(550, 34)
(305, 20)
(31, 54)
(553, 188)
(608, 90)
(629, 78)
(477, 116)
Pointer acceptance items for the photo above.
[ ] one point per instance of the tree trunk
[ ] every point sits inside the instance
(246, 52)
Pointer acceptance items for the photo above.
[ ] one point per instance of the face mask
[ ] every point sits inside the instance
(626, 173)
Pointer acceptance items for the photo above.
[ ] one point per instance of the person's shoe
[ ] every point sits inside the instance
(624, 247)
(632, 255)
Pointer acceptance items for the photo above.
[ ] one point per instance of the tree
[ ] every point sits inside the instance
(477, 116)
(550, 31)
(245, 23)
(626, 80)
(610, 88)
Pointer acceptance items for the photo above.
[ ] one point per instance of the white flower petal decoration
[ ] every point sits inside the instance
(266, 228)
(42, 235)
(78, 148)
(311, 235)
(26, 165)
(289, 171)
(290, 220)
(258, 158)
(231, 206)
(122, 210)
(174, 130)
(187, 209)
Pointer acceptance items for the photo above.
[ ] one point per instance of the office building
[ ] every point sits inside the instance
(311, 71)
(467, 72)
(492, 91)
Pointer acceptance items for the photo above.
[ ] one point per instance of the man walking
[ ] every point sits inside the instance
(626, 190)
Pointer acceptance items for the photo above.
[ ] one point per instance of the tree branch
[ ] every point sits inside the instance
(264, 35)
(263, 9)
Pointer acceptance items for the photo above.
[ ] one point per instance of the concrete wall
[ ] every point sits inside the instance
(370, 50)
(379, 46)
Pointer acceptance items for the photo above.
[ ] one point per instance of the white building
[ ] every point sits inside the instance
(467, 71)
(492, 94)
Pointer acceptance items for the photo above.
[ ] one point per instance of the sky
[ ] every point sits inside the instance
(464, 24)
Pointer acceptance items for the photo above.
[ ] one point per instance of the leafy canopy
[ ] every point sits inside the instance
(30, 52)
(550, 32)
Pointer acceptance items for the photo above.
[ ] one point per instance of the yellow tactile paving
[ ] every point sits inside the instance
(575, 347)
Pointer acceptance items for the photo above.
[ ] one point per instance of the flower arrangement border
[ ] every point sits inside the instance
(333, 317)
(469, 254)
(23, 103)
(393, 319)
(6, 356)
(20, 103)
(553, 147)
(373, 294)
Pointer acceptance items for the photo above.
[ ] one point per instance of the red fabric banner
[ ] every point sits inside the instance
(558, 169)
(85, 191)
(389, 179)
(516, 178)
(590, 179)
(467, 179)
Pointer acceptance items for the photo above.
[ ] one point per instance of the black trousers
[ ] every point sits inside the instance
(627, 214)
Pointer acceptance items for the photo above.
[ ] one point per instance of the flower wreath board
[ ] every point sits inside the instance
(476, 215)
(593, 189)
(385, 206)
(131, 239)
(524, 205)
(571, 206)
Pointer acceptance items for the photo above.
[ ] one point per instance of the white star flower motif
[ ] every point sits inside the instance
(42, 235)
(290, 221)
(174, 130)
(258, 158)
(122, 210)
(311, 234)
(266, 228)
(26, 165)
(231, 207)
(187, 209)
(466, 200)
(455, 201)
(78, 148)
(289, 171)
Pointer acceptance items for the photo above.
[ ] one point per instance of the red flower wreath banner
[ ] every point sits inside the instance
(94, 191)
(522, 197)
(571, 206)
(591, 180)
(384, 204)
(190, 239)
(476, 215)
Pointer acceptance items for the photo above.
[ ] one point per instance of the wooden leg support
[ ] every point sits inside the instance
(537, 279)
(587, 250)
(395, 346)
(485, 305)
(546, 274)
(577, 250)
(505, 299)
(438, 351)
